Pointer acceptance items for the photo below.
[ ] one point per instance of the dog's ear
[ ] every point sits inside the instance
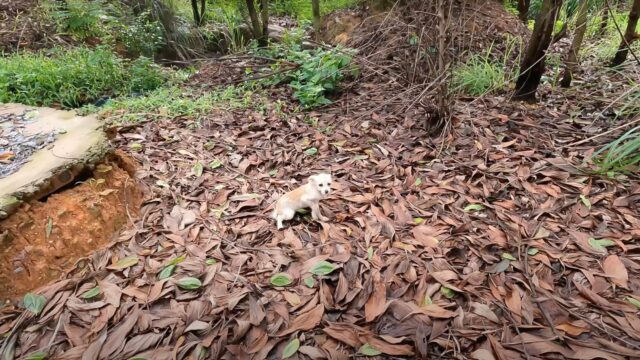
(312, 179)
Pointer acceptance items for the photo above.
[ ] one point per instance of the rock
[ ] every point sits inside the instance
(70, 144)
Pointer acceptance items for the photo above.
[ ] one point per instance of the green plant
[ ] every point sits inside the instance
(143, 36)
(169, 102)
(478, 76)
(314, 73)
(630, 102)
(79, 18)
(620, 156)
(71, 78)
(301, 9)
(482, 74)
(225, 31)
(181, 38)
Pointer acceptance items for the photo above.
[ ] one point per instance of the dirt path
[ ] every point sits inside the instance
(471, 248)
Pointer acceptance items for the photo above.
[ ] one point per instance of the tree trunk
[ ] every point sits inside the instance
(196, 14)
(315, 7)
(264, 14)
(562, 33)
(604, 21)
(629, 35)
(203, 8)
(442, 97)
(533, 64)
(571, 63)
(255, 22)
(523, 10)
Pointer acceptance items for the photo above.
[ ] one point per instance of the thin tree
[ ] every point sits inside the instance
(629, 36)
(315, 7)
(523, 10)
(571, 63)
(256, 26)
(443, 99)
(198, 14)
(264, 14)
(533, 63)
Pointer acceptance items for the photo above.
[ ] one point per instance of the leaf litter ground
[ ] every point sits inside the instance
(472, 249)
(488, 243)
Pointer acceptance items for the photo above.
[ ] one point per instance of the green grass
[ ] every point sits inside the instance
(173, 101)
(478, 76)
(301, 9)
(71, 78)
(483, 74)
(620, 156)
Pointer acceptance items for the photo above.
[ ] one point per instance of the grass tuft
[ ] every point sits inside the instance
(478, 76)
(72, 78)
(620, 156)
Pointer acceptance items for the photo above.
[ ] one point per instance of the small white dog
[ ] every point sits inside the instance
(306, 196)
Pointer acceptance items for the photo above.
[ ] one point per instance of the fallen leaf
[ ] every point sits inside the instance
(575, 328)
(306, 321)
(322, 268)
(377, 302)
(189, 283)
(616, 271)
(291, 348)
(34, 303)
(281, 279)
(369, 350)
(124, 263)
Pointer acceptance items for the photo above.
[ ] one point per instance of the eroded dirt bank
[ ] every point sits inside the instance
(44, 238)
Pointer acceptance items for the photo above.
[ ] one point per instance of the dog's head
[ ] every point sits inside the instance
(322, 183)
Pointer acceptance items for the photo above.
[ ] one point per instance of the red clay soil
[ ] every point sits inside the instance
(43, 239)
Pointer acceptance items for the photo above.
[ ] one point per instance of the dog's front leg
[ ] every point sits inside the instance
(316, 214)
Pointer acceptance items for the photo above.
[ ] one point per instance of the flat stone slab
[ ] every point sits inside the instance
(67, 143)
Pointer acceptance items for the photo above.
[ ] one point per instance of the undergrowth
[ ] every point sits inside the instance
(621, 155)
(144, 27)
(71, 78)
(301, 9)
(174, 101)
(79, 18)
(478, 76)
(311, 74)
(483, 74)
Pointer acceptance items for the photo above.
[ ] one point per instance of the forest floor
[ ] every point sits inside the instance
(493, 241)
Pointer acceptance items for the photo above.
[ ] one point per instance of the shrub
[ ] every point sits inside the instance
(318, 72)
(301, 9)
(143, 36)
(79, 18)
(225, 31)
(71, 78)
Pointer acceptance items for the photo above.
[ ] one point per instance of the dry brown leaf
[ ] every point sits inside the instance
(426, 235)
(306, 321)
(616, 271)
(377, 302)
(574, 328)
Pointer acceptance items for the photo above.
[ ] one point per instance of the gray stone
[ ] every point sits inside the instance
(79, 141)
